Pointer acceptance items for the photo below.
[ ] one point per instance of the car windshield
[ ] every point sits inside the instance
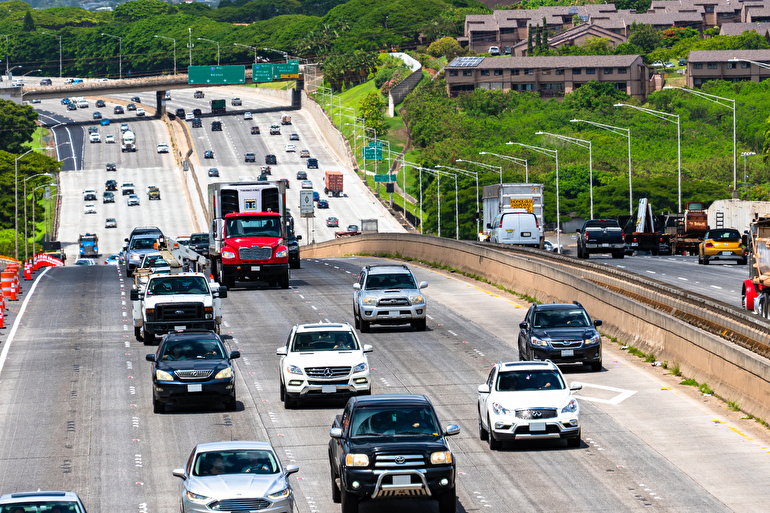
(393, 421)
(253, 227)
(572, 318)
(143, 243)
(253, 461)
(42, 507)
(528, 380)
(390, 281)
(324, 341)
(723, 235)
(154, 261)
(187, 349)
(172, 285)
(199, 239)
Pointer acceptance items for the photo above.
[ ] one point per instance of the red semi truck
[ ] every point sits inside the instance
(333, 183)
(248, 233)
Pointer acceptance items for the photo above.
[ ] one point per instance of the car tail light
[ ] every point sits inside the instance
(709, 245)
(501, 223)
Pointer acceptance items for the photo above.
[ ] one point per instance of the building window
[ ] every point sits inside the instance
(577, 71)
(698, 65)
(709, 8)
(712, 65)
(452, 72)
(590, 71)
(620, 86)
(608, 71)
(521, 23)
(622, 71)
(508, 30)
(498, 73)
(484, 72)
(467, 73)
(522, 87)
(514, 72)
(732, 65)
(545, 71)
(560, 72)
(529, 71)
(745, 65)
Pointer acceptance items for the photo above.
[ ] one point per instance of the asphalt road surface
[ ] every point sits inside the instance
(76, 414)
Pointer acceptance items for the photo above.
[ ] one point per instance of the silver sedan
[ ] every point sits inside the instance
(236, 475)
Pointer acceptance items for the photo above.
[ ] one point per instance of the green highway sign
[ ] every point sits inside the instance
(261, 73)
(286, 70)
(375, 144)
(216, 75)
(385, 178)
(372, 153)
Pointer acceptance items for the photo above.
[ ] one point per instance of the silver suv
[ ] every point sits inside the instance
(388, 294)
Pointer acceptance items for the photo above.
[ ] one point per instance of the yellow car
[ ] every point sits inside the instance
(722, 244)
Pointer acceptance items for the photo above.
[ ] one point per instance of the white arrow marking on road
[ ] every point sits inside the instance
(622, 394)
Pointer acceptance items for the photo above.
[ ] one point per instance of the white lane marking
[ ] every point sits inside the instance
(429, 317)
(123, 303)
(303, 297)
(651, 272)
(683, 279)
(622, 394)
(622, 266)
(452, 332)
(314, 308)
(16, 323)
(716, 287)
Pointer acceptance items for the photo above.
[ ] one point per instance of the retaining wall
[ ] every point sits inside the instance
(406, 86)
(733, 372)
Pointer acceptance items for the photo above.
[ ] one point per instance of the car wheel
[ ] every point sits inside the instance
(575, 441)
(157, 406)
(618, 254)
(149, 338)
(700, 259)
(272, 283)
(138, 333)
(596, 366)
(288, 402)
(295, 265)
(336, 498)
(282, 392)
(348, 502)
(447, 501)
(420, 324)
(494, 443)
(227, 281)
(284, 281)
(482, 432)
(356, 321)
(705, 260)
(743, 262)
(365, 326)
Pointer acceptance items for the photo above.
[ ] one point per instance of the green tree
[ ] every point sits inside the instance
(141, 9)
(29, 23)
(538, 39)
(529, 41)
(371, 110)
(645, 37)
(446, 47)
(18, 122)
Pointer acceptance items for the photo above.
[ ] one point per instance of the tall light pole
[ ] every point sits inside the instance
(285, 54)
(120, 53)
(555, 154)
(487, 166)
(174, 40)
(475, 175)
(516, 160)
(211, 41)
(26, 220)
(438, 173)
(625, 132)
(22, 84)
(60, 61)
(33, 214)
(16, 196)
(7, 52)
(668, 117)
(718, 100)
(745, 156)
(251, 48)
(190, 44)
(584, 144)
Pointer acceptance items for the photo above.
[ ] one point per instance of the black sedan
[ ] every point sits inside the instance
(72, 106)
(213, 171)
(208, 154)
(131, 107)
(117, 110)
(323, 204)
(136, 99)
(99, 104)
(192, 367)
(270, 159)
(97, 115)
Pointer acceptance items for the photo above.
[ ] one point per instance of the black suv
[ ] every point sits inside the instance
(199, 242)
(270, 159)
(293, 245)
(111, 166)
(111, 185)
(117, 110)
(562, 333)
(200, 369)
(180, 113)
(197, 113)
(197, 123)
(99, 104)
(216, 126)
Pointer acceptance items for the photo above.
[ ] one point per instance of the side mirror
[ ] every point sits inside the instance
(180, 473)
(335, 433)
(222, 292)
(356, 286)
(484, 389)
(423, 284)
(235, 354)
(134, 295)
(299, 237)
(290, 469)
(368, 348)
(489, 226)
(150, 357)
(281, 351)
(523, 325)
(597, 323)
(452, 429)
(576, 385)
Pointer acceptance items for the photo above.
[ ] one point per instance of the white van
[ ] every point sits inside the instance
(83, 104)
(515, 226)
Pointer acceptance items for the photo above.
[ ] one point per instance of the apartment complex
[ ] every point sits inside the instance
(730, 65)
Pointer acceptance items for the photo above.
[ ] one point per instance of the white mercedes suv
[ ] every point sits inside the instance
(323, 360)
(528, 401)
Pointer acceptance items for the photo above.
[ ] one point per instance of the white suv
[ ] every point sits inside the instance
(323, 360)
(528, 401)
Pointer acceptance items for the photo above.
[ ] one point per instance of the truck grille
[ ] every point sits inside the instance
(179, 312)
(399, 461)
(328, 382)
(244, 505)
(536, 413)
(566, 343)
(193, 374)
(327, 372)
(263, 253)
(393, 301)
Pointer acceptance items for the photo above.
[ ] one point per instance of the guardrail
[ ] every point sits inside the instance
(710, 341)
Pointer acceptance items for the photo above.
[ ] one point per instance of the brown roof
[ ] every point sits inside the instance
(574, 32)
(736, 29)
(724, 55)
(574, 61)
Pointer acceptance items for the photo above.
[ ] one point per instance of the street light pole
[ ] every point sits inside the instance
(211, 41)
(16, 196)
(33, 214)
(26, 220)
(174, 40)
(487, 166)
(555, 154)
(745, 156)
(516, 160)
(475, 175)
(120, 53)
(189, 44)
(584, 144)
(60, 60)
(7, 52)
(251, 48)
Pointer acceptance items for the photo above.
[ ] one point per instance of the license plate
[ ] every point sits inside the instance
(255, 268)
(198, 387)
(180, 328)
(328, 389)
(605, 244)
(727, 253)
(634, 244)
(537, 426)
(567, 352)
(526, 234)
(402, 480)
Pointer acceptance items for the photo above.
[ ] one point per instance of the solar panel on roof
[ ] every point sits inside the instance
(572, 10)
(466, 62)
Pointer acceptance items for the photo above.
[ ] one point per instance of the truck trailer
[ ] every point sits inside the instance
(333, 183)
(218, 106)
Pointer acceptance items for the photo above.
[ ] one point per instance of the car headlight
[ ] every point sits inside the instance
(281, 254)
(361, 367)
(229, 255)
(357, 460)
(280, 495)
(196, 497)
(370, 300)
(163, 376)
(572, 407)
(441, 458)
(416, 300)
(224, 374)
(593, 340)
(293, 369)
(134, 256)
(542, 342)
(499, 409)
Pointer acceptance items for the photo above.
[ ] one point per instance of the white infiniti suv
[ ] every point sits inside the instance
(323, 360)
(528, 401)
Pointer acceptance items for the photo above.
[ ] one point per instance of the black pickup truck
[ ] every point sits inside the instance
(600, 236)
(391, 447)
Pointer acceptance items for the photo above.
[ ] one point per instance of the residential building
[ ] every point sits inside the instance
(704, 65)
